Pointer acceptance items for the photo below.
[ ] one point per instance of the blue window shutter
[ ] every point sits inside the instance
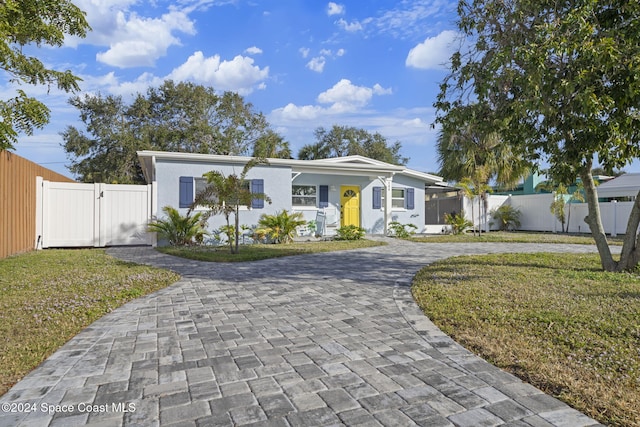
(409, 198)
(186, 191)
(257, 186)
(324, 196)
(377, 197)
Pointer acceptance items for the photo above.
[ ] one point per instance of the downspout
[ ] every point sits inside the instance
(153, 169)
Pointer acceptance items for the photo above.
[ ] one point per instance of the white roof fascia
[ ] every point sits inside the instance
(353, 159)
(338, 165)
(421, 175)
(312, 166)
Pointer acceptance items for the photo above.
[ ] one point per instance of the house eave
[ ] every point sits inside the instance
(349, 165)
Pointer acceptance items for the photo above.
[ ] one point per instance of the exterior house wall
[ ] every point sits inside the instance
(413, 216)
(332, 211)
(277, 185)
(372, 220)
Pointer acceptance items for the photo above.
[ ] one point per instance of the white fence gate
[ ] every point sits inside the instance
(98, 215)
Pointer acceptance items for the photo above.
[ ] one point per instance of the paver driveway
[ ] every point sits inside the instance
(324, 339)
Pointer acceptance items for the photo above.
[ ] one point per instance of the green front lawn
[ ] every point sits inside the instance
(513, 237)
(47, 297)
(557, 321)
(263, 251)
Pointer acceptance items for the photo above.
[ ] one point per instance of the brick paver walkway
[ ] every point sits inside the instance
(324, 339)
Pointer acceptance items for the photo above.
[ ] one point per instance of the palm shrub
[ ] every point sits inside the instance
(179, 230)
(402, 231)
(281, 227)
(459, 224)
(350, 232)
(507, 217)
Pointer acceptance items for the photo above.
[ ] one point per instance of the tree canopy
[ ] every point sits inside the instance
(33, 22)
(271, 145)
(470, 151)
(560, 80)
(349, 141)
(182, 117)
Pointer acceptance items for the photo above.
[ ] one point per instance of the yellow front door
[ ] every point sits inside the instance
(350, 205)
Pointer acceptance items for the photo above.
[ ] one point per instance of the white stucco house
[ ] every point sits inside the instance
(341, 191)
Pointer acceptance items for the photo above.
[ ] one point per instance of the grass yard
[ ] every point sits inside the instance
(47, 297)
(261, 251)
(513, 237)
(557, 321)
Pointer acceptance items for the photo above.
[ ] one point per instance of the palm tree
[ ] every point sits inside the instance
(558, 204)
(225, 194)
(468, 191)
(472, 152)
(271, 145)
(577, 196)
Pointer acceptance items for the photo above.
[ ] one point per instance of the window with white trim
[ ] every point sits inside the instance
(397, 198)
(304, 195)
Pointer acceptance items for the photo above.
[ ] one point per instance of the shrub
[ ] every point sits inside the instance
(400, 230)
(179, 230)
(507, 217)
(350, 232)
(459, 224)
(281, 227)
(229, 231)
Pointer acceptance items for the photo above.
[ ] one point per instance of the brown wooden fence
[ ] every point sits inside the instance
(18, 202)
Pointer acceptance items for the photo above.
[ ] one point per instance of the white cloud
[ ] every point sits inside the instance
(379, 90)
(434, 53)
(410, 18)
(240, 74)
(304, 51)
(253, 50)
(132, 40)
(345, 96)
(334, 9)
(317, 64)
(415, 123)
(293, 112)
(350, 27)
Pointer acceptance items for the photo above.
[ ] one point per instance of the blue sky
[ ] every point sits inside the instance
(370, 64)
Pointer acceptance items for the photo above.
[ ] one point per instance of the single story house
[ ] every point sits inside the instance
(623, 188)
(352, 190)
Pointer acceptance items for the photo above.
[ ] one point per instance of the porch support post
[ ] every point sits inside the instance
(387, 184)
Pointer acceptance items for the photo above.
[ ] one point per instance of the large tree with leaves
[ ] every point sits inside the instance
(33, 23)
(181, 117)
(348, 141)
(562, 79)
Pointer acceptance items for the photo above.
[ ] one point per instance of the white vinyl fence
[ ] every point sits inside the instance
(94, 215)
(536, 214)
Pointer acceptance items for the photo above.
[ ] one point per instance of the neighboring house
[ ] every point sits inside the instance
(622, 189)
(351, 190)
